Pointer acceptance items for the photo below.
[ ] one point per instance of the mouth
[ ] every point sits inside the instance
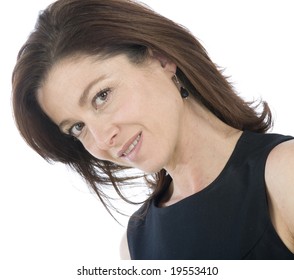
(130, 146)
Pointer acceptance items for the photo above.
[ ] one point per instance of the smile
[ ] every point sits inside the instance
(132, 146)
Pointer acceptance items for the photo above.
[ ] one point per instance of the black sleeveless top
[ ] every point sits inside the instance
(229, 219)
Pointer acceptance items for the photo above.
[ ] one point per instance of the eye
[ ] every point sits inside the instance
(101, 98)
(76, 129)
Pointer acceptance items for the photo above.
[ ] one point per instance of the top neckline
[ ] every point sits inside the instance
(210, 186)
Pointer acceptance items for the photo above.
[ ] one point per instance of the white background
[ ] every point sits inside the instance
(50, 223)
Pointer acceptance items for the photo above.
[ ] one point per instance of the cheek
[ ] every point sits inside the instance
(93, 149)
(100, 155)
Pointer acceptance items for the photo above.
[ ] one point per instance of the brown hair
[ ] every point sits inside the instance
(107, 28)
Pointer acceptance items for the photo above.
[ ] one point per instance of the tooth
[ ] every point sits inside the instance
(132, 146)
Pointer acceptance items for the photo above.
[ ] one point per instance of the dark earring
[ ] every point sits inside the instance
(184, 92)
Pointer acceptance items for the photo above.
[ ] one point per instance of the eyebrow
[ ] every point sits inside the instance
(87, 90)
(83, 98)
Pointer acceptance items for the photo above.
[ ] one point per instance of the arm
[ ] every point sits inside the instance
(279, 176)
(124, 248)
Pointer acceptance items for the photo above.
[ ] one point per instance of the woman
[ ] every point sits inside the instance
(104, 86)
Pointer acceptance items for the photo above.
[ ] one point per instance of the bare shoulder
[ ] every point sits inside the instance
(279, 176)
(280, 166)
(124, 248)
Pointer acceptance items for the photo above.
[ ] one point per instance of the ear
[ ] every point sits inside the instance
(165, 63)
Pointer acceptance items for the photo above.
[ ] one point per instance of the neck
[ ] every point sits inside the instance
(204, 146)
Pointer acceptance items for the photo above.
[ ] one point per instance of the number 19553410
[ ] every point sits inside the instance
(189, 270)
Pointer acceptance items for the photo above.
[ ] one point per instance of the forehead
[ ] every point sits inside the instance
(83, 65)
(77, 70)
(74, 72)
(66, 80)
(77, 65)
(69, 77)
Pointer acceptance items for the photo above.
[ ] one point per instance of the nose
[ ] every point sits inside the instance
(104, 136)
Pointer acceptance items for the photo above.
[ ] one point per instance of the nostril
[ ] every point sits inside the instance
(104, 137)
(111, 141)
(111, 137)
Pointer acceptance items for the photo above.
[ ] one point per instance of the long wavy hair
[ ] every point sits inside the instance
(107, 28)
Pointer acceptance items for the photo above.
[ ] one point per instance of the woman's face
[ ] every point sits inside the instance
(121, 112)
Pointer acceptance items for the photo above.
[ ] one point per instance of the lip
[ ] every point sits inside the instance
(127, 145)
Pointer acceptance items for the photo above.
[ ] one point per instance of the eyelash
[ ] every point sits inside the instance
(70, 130)
(105, 93)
